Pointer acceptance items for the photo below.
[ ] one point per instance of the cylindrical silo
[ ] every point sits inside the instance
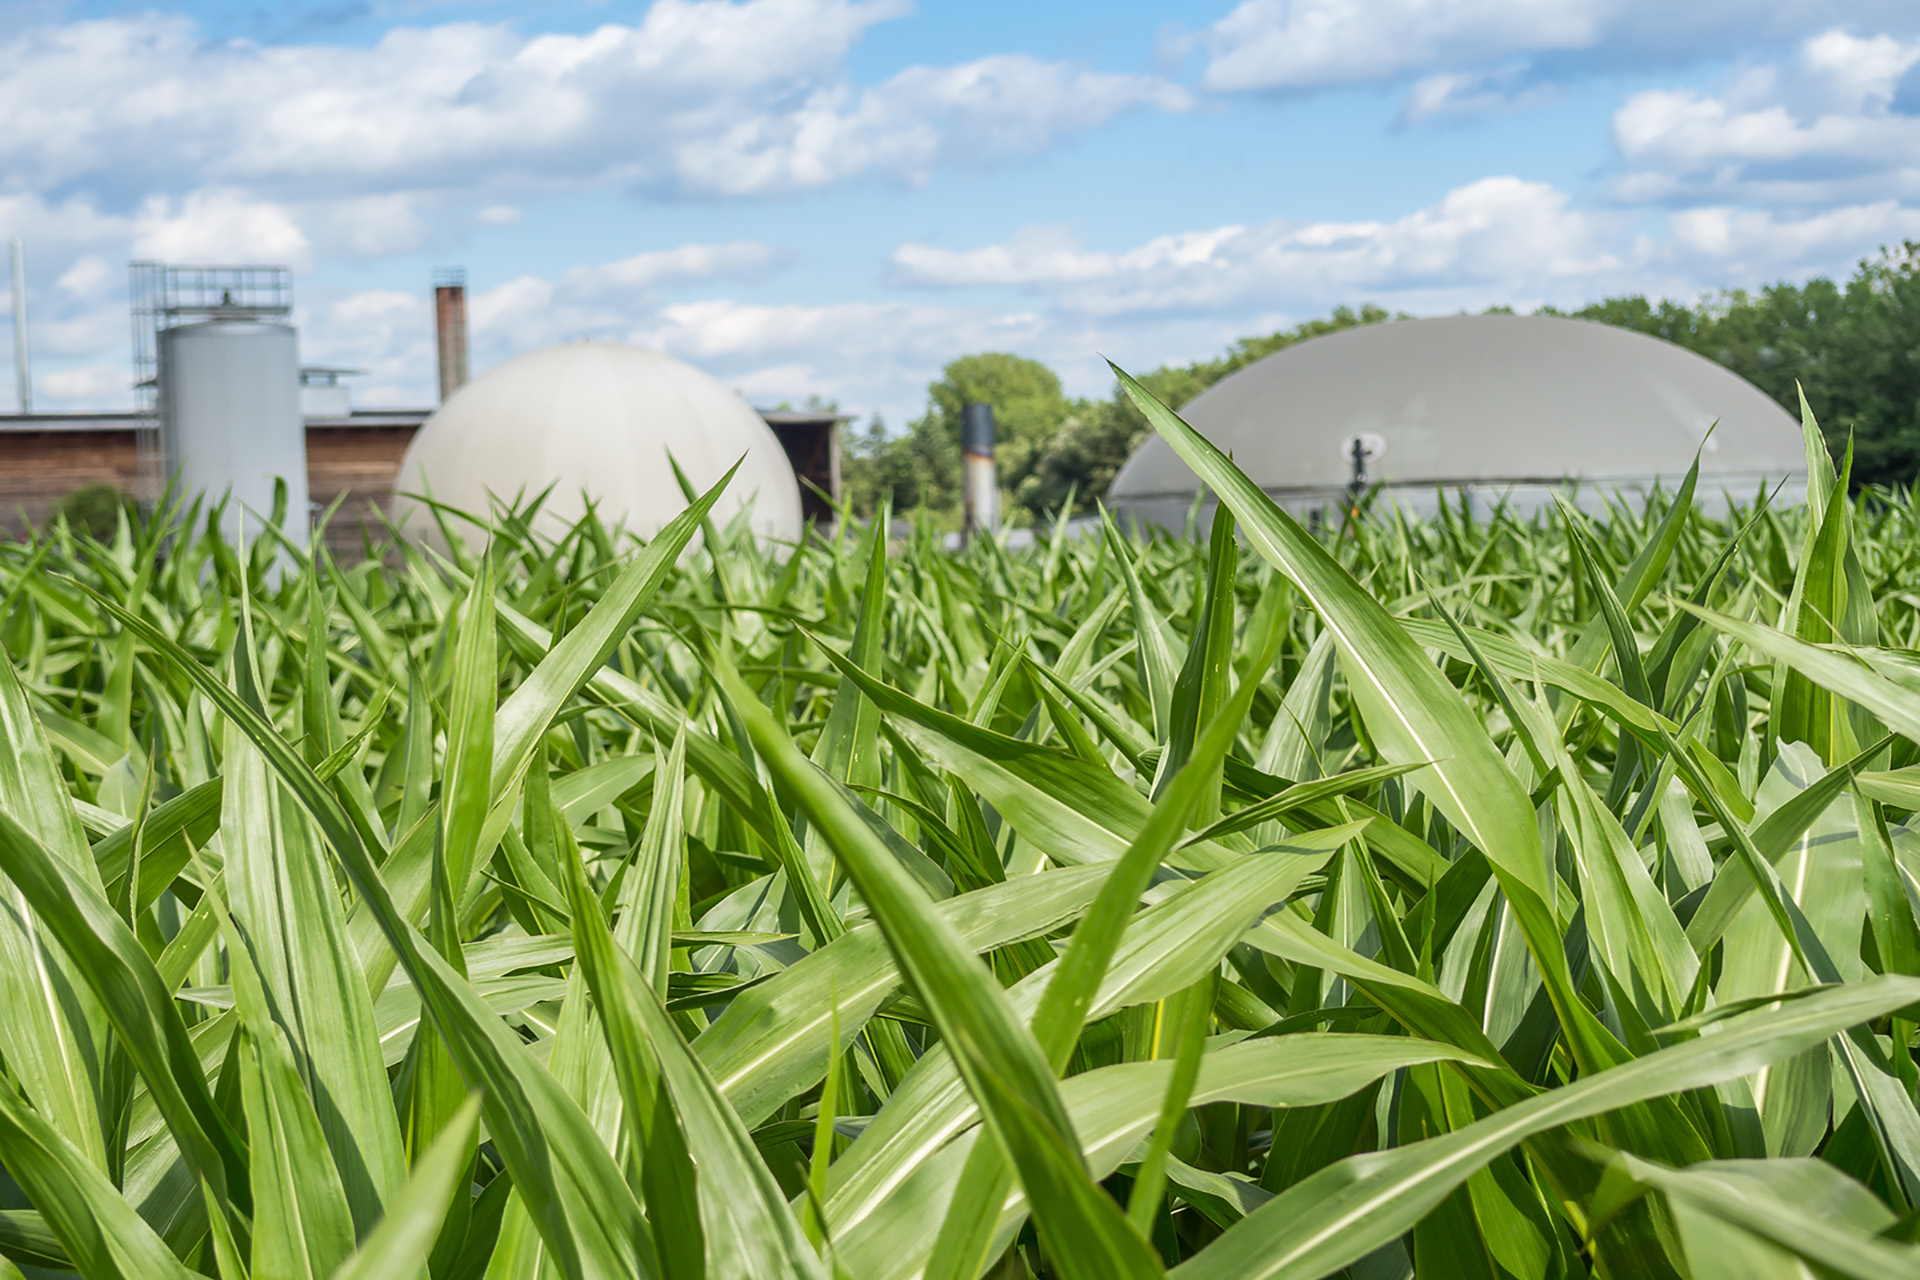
(230, 415)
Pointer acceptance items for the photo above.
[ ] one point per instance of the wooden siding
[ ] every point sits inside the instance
(39, 468)
(361, 463)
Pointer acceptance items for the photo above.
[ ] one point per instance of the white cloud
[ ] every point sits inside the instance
(1466, 93)
(1173, 297)
(707, 96)
(1760, 244)
(1264, 45)
(219, 225)
(164, 143)
(1820, 129)
(601, 300)
(990, 109)
(777, 383)
(372, 226)
(383, 332)
(63, 229)
(1498, 234)
(687, 262)
(851, 331)
(866, 355)
(1298, 44)
(88, 277)
(1860, 70)
(83, 384)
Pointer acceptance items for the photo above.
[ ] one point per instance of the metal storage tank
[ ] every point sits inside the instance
(230, 414)
(1486, 408)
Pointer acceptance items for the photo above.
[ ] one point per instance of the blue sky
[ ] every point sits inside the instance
(834, 197)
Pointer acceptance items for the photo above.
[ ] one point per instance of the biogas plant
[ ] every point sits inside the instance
(223, 406)
(1476, 410)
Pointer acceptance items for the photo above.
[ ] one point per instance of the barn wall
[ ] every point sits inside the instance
(361, 463)
(38, 468)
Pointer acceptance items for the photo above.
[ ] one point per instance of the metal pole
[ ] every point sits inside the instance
(22, 369)
(1358, 457)
(980, 477)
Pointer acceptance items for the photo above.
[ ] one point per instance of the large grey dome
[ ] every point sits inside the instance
(597, 421)
(1512, 405)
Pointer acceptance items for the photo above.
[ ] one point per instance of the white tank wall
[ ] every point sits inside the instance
(230, 415)
(1715, 495)
(599, 421)
(1509, 404)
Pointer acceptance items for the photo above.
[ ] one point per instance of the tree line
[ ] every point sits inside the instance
(1854, 347)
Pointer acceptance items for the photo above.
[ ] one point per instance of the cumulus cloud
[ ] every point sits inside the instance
(80, 383)
(993, 108)
(1496, 241)
(88, 277)
(1471, 54)
(384, 333)
(1467, 93)
(64, 227)
(865, 355)
(1498, 234)
(532, 311)
(372, 226)
(601, 300)
(1762, 244)
(138, 135)
(868, 356)
(700, 96)
(1304, 44)
(1826, 126)
(219, 226)
(643, 271)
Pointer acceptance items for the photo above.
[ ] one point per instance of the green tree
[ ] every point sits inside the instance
(919, 468)
(94, 510)
(1028, 407)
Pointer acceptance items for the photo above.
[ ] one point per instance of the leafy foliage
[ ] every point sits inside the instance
(94, 510)
(1474, 897)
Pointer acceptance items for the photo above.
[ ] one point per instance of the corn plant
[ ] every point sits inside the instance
(1485, 895)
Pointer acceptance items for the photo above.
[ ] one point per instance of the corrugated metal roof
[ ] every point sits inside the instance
(22, 422)
(129, 421)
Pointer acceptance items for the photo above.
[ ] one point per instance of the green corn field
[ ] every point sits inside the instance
(1472, 897)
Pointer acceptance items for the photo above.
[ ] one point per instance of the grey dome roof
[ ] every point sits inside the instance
(598, 420)
(1493, 401)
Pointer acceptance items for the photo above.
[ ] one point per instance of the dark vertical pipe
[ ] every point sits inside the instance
(980, 478)
(450, 327)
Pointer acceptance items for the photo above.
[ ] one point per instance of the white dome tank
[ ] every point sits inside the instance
(597, 421)
(1512, 407)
